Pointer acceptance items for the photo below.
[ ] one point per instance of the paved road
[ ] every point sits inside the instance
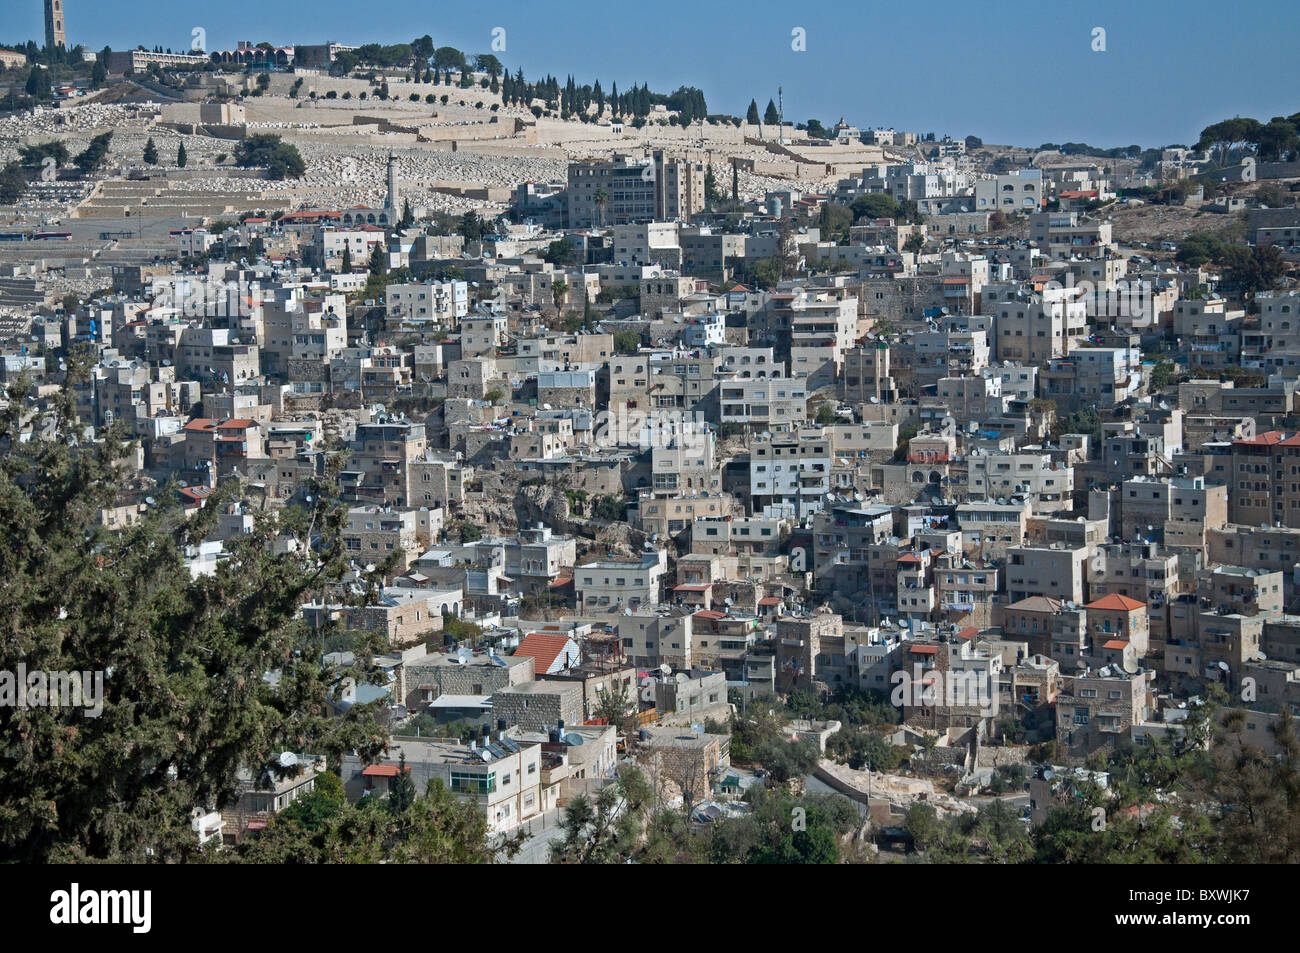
(537, 848)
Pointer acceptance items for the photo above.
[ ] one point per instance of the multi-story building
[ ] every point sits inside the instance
(774, 403)
(1100, 710)
(609, 585)
(379, 468)
(790, 468)
(435, 302)
(1065, 235)
(500, 776)
(1055, 571)
(1177, 512)
(1020, 191)
(1030, 474)
(1265, 480)
(619, 191)
(821, 329)
(866, 375)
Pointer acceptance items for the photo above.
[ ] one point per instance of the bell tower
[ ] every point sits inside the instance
(55, 35)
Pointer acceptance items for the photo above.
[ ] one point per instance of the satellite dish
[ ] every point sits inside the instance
(288, 759)
(666, 668)
(697, 727)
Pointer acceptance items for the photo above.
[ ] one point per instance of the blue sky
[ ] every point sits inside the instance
(1020, 71)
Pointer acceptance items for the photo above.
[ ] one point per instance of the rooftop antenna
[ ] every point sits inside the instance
(780, 118)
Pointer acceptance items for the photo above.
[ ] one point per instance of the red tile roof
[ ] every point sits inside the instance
(543, 649)
(1117, 644)
(1116, 602)
(1267, 439)
(382, 770)
(925, 650)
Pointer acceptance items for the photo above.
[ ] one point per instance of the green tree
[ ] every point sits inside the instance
(401, 792)
(1229, 138)
(471, 227)
(436, 828)
(626, 342)
(751, 116)
(1251, 270)
(767, 272)
(770, 116)
(185, 704)
(280, 159)
(616, 707)
(609, 827)
(13, 183)
(38, 83)
(33, 157)
(150, 153)
(876, 205)
(1163, 375)
(95, 154)
(784, 760)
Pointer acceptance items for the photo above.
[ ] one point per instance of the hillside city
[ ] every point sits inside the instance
(409, 444)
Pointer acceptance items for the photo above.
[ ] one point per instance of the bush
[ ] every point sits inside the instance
(611, 509)
(787, 759)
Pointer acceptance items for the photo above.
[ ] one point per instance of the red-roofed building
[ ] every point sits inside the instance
(1267, 491)
(223, 444)
(551, 654)
(194, 497)
(1118, 618)
(691, 594)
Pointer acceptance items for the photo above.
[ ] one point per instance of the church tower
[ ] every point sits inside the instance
(55, 35)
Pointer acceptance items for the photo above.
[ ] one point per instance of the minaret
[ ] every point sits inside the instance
(54, 32)
(394, 199)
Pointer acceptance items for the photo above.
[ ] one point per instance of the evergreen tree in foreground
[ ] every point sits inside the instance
(184, 662)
